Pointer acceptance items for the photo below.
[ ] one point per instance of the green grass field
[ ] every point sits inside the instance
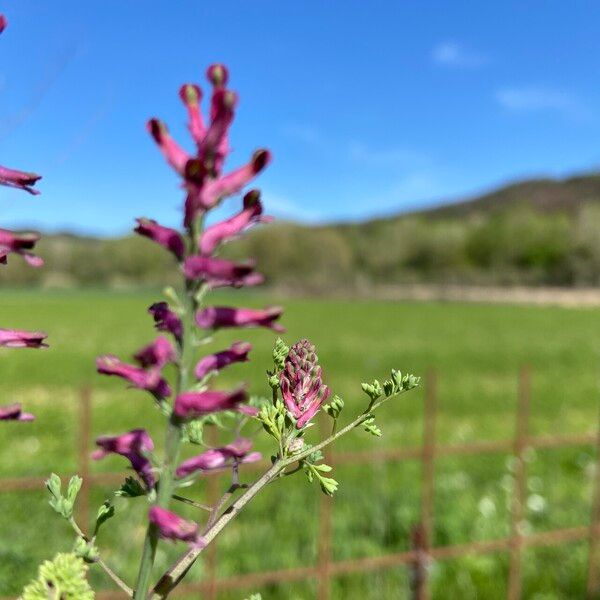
(477, 351)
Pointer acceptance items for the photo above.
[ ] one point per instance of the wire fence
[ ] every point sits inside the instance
(422, 553)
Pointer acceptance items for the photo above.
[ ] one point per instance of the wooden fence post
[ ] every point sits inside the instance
(592, 578)
(325, 526)
(520, 484)
(422, 534)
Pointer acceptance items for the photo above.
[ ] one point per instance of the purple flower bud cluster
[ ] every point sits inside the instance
(301, 383)
(12, 242)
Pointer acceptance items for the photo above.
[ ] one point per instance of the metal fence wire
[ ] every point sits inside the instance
(422, 553)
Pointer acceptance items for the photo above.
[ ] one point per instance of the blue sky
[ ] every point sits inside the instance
(370, 108)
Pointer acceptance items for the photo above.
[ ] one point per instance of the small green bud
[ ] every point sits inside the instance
(105, 512)
(86, 550)
(334, 408)
(370, 427)
(280, 352)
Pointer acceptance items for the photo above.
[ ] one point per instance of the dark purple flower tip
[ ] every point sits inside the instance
(13, 412)
(237, 352)
(260, 159)
(192, 405)
(166, 320)
(301, 385)
(16, 338)
(219, 458)
(218, 74)
(157, 354)
(3, 23)
(150, 380)
(165, 236)
(216, 317)
(172, 527)
(134, 446)
(22, 180)
(195, 172)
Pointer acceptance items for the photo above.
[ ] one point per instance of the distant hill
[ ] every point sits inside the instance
(533, 232)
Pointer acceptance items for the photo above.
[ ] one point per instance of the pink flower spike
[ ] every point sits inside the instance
(191, 405)
(219, 458)
(134, 446)
(165, 236)
(216, 317)
(16, 338)
(172, 527)
(19, 243)
(222, 232)
(3, 23)
(176, 156)
(157, 354)
(150, 380)
(219, 272)
(166, 320)
(237, 352)
(191, 96)
(13, 412)
(232, 183)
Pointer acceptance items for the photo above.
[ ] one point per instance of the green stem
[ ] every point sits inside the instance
(173, 439)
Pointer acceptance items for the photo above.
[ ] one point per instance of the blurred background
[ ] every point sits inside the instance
(436, 188)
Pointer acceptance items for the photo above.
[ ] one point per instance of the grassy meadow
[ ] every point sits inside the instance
(477, 351)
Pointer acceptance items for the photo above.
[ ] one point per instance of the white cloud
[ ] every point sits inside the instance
(531, 98)
(453, 54)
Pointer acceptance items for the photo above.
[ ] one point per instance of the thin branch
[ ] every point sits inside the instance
(177, 571)
(115, 577)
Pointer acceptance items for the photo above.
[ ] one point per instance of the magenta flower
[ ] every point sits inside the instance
(16, 338)
(191, 405)
(172, 527)
(13, 412)
(176, 156)
(134, 446)
(215, 190)
(166, 320)
(216, 317)
(157, 354)
(191, 95)
(301, 385)
(3, 23)
(222, 232)
(165, 236)
(237, 352)
(19, 243)
(219, 272)
(218, 458)
(19, 179)
(150, 380)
